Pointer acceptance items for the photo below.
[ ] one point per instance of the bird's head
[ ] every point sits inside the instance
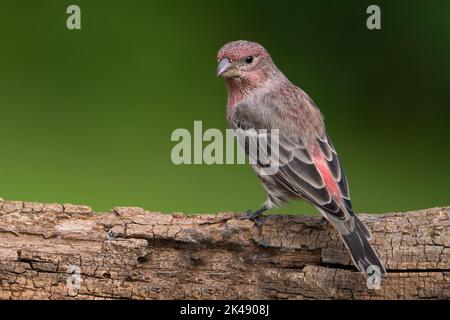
(245, 66)
(243, 61)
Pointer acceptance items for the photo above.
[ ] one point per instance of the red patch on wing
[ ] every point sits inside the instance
(327, 176)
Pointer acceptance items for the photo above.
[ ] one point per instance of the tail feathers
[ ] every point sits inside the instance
(361, 251)
(362, 228)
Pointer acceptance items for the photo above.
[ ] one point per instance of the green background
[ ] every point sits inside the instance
(86, 116)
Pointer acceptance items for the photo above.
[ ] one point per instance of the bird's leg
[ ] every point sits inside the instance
(322, 222)
(257, 215)
(319, 224)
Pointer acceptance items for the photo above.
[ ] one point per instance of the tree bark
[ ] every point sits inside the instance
(52, 251)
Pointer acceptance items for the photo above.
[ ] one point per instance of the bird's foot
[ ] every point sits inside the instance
(322, 221)
(318, 225)
(256, 216)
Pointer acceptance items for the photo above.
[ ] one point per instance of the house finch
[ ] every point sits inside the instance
(261, 97)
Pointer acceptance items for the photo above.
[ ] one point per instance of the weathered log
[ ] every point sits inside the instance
(52, 251)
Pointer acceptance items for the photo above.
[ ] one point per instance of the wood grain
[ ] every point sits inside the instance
(131, 253)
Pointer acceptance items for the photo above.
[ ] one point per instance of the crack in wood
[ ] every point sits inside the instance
(131, 253)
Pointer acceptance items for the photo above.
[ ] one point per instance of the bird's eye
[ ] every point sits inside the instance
(249, 59)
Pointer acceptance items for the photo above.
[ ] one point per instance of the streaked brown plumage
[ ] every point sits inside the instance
(261, 97)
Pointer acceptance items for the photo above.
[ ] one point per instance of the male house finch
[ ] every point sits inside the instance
(261, 97)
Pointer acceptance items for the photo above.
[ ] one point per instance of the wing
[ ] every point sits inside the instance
(314, 172)
(309, 167)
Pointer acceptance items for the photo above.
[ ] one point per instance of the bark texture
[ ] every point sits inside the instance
(53, 251)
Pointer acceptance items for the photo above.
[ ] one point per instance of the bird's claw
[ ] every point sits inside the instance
(256, 217)
(319, 224)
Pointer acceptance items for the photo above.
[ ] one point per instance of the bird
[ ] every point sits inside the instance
(261, 97)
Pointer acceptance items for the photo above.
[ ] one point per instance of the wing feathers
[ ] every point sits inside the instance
(298, 168)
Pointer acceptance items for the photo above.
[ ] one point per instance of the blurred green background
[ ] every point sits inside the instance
(86, 116)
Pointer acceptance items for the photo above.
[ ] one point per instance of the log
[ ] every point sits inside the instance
(53, 251)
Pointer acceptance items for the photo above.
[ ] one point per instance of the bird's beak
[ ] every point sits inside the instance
(226, 69)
